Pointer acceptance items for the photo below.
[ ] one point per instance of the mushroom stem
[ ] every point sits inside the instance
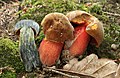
(28, 50)
(50, 52)
(82, 39)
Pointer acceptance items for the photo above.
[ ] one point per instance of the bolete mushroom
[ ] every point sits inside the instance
(28, 51)
(57, 30)
(88, 29)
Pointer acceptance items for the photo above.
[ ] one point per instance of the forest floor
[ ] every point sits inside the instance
(12, 10)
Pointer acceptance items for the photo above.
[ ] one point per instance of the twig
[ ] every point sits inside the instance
(113, 14)
(61, 73)
(78, 75)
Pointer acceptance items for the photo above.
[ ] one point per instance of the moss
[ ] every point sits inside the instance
(8, 74)
(9, 55)
(96, 8)
(37, 9)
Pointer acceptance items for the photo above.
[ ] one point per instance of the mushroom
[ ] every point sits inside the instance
(88, 29)
(57, 30)
(26, 29)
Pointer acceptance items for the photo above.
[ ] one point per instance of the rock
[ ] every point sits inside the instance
(114, 46)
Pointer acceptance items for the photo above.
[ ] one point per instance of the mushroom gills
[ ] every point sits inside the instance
(50, 52)
(81, 41)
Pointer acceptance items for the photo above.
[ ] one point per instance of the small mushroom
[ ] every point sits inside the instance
(88, 29)
(28, 51)
(57, 30)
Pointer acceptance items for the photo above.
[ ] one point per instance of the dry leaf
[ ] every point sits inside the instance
(92, 66)
(117, 75)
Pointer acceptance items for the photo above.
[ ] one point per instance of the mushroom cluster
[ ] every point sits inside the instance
(75, 30)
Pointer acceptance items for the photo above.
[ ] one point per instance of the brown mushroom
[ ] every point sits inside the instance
(87, 29)
(57, 30)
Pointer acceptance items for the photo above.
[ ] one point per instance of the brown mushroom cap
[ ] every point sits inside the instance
(57, 27)
(94, 27)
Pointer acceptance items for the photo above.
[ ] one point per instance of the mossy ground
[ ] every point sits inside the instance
(9, 59)
(37, 9)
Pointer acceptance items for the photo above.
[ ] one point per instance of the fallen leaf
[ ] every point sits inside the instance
(92, 66)
(117, 75)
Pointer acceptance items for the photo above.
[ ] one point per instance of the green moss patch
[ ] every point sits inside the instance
(9, 55)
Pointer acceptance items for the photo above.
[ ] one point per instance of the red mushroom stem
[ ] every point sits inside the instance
(50, 52)
(82, 39)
